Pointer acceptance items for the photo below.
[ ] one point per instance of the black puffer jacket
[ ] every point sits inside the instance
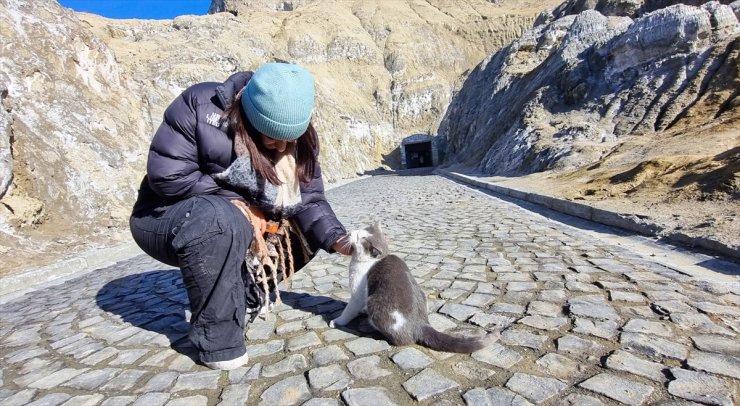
(192, 144)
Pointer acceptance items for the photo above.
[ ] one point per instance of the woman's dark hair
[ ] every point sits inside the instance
(248, 139)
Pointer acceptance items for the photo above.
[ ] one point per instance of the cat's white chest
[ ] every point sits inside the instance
(358, 279)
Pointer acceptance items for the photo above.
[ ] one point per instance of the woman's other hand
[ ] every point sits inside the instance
(253, 214)
(343, 246)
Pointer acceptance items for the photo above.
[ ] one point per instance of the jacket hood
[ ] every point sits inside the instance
(227, 91)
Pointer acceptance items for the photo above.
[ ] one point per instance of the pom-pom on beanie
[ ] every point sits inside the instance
(278, 100)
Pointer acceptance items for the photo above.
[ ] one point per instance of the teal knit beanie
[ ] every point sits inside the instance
(278, 100)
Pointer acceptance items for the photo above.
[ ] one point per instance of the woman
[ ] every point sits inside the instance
(188, 213)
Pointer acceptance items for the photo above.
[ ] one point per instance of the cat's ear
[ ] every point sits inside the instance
(374, 252)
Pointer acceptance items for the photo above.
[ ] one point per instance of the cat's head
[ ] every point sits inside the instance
(369, 242)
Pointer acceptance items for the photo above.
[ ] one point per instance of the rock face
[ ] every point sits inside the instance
(82, 95)
(570, 90)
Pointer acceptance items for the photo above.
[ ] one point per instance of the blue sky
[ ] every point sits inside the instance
(150, 9)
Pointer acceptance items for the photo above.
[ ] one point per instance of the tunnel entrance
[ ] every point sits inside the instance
(419, 155)
(419, 151)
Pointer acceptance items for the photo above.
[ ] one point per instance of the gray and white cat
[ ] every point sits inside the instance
(383, 287)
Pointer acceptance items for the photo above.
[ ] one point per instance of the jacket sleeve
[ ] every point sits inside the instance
(316, 219)
(172, 164)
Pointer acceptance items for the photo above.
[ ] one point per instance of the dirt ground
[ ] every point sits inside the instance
(697, 194)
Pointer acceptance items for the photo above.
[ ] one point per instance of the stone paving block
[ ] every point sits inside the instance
(718, 344)
(544, 308)
(559, 366)
(328, 378)
(653, 346)
(51, 399)
(619, 389)
(245, 374)
(291, 364)
(367, 368)
(498, 355)
(124, 381)
(458, 311)
(197, 400)
(627, 362)
(93, 379)
(260, 329)
(181, 363)
(159, 383)
(717, 309)
(578, 346)
(576, 399)
(376, 396)
(672, 306)
(441, 323)
(719, 364)
(290, 391)
(428, 383)
(365, 345)
(31, 375)
(128, 357)
(523, 338)
(328, 355)
(507, 308)
(333, 335)
(552, 295)
(479, 300)
(492, 321)
(152, 399)
(543, 322)
(620, 296)
(411, 358)
(119, 401)
(265, 349)
(57, 378)
(235, 395)
(699, 323)
(19, 398)
(599, 328)
(84, 400)
(535, 388)
(25, 354)
(310, 339)
(159, 359)
(596, 311)
(648, 327)
(197, 381)
(493, 397)
(701, 387)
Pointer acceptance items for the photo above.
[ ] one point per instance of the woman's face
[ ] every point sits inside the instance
(274, 145)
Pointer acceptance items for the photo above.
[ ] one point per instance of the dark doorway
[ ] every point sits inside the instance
(419, 155)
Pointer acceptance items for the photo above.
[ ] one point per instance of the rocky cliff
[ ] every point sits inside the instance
(82, 95)
(570, 90)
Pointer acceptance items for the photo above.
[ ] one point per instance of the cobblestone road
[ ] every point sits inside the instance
(583, 321)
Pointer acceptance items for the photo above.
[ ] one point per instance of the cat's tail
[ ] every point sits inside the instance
(440, 341)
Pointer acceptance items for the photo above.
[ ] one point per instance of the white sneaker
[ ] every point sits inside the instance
(228, 365)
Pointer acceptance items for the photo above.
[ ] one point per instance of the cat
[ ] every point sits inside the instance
(382, 286)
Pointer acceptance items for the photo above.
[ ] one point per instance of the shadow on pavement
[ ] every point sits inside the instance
(155, 301)
(329, 308)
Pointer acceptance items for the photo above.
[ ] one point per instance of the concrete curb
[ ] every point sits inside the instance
(630, 222)
(14, 286)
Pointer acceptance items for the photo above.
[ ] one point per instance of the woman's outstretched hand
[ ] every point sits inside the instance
(343, 246)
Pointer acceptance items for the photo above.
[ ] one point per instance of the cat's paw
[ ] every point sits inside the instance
(335, 323)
